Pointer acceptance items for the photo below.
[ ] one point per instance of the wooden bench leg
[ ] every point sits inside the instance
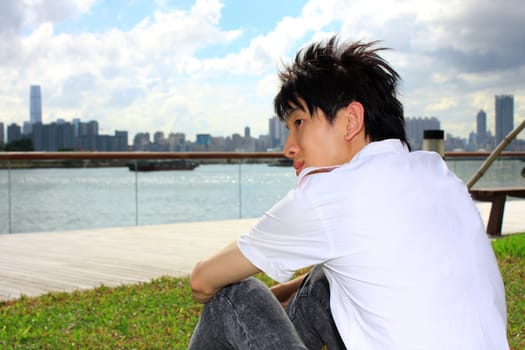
(496, 216)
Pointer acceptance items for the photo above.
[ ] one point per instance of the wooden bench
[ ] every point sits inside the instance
(497, 196)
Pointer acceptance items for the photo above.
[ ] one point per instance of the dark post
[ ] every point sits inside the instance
(434, 140)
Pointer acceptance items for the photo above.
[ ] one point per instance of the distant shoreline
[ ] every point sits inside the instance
(111, 163)
(105, 163)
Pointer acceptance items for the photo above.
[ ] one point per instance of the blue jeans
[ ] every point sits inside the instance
(246, 315)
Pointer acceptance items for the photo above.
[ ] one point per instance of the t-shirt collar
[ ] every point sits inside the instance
(373, 148)
(379, 147)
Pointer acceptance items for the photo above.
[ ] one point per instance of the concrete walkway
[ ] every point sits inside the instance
(35, 263)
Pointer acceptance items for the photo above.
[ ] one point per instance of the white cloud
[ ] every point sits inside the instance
(453, 58)
(21, 14)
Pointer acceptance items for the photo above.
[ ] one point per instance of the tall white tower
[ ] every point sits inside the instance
(35, 106)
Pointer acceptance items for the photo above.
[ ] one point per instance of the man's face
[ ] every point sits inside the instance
(313, 141)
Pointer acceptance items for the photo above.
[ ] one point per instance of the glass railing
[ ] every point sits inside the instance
(506, 171)
(73, 191)
(56, 192)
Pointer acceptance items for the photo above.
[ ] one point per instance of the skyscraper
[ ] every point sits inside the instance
(121, 141)
(278, 132)
(13, 132)
(2, 132)
(35, 106)
(481, 128)
(504, 116)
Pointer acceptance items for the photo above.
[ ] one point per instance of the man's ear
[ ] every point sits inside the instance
(355, 120)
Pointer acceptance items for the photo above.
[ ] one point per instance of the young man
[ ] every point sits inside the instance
(399, 253)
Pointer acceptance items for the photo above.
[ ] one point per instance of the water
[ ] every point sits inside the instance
(85, 198)
(68, 199)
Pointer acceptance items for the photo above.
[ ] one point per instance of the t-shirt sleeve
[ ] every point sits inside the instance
(287, 238)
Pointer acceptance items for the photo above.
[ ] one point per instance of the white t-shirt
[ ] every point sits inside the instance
(402, 246)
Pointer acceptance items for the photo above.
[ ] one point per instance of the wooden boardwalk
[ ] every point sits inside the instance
(35, 263)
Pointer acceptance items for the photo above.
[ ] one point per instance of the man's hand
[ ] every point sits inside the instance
(285, 291)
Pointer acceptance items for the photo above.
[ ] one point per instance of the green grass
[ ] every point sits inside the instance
(510, 252)
(161, 314)
(155, 315)
(513, 245)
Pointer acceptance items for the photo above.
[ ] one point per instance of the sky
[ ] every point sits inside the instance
(210, 66)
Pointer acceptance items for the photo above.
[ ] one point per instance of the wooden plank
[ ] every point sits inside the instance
(487, 194)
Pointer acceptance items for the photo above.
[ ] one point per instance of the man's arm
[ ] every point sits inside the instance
(219, 270)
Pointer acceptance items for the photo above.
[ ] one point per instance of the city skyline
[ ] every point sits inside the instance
(79, 135)
(503, 123)
(211, 66)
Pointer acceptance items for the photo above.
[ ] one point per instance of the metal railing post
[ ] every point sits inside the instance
(9, 196)
(240, 192)
(136, 195)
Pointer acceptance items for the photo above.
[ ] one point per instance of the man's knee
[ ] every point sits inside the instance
(241, 299)
(241, 291)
